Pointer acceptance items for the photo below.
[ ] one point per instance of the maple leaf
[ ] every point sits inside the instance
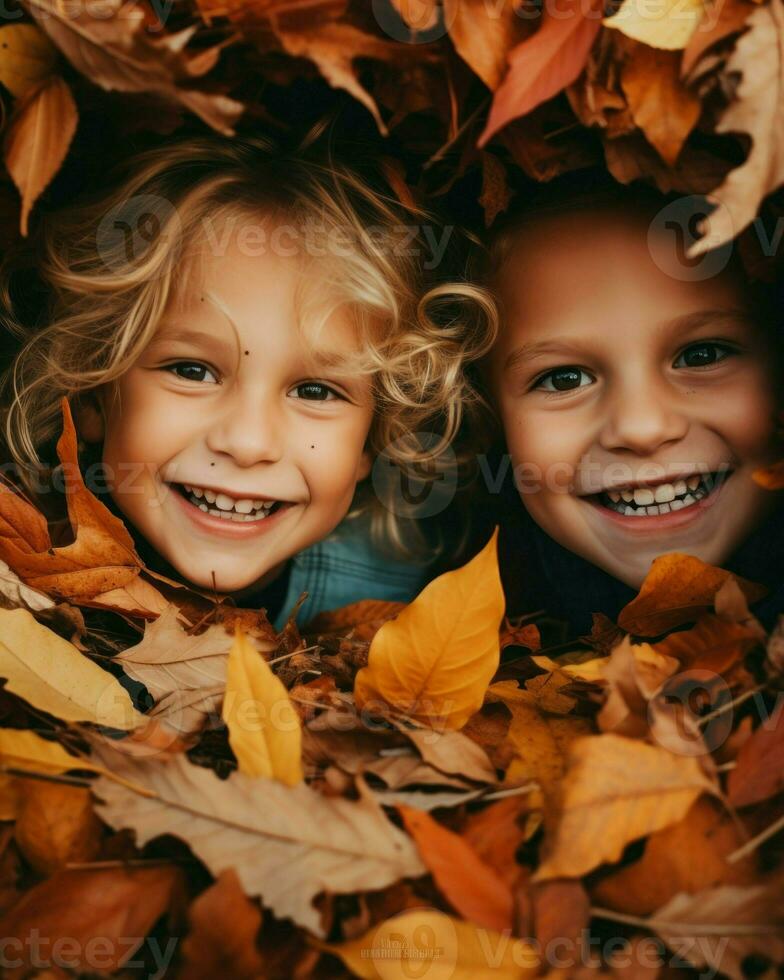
(422, 940)
(473, 888)
(264, 730)
(52, 675)
(617, 790)
(287, 843)
(544, 64)
(756, 109)
(185, 673)
(435, 660)
(677, 590)
(110, 45)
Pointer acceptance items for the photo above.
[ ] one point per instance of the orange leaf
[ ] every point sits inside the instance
(676, 591)
(435, 661)
(772, 477)
(759, 772)
(38, 139)
(472, 887)
(101, 557)
(546, 63)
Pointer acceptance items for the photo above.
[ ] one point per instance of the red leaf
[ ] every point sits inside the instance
(546, 63)
(759, 772)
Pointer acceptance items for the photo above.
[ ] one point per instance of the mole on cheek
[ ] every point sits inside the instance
(247, 352)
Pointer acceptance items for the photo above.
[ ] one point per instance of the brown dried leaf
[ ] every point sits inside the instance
(56, 825)
(484, 35)
(634, 673)
(759, 770)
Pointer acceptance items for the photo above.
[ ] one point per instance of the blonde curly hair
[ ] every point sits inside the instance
(101, 296)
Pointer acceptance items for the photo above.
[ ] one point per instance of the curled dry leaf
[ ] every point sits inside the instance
(434, 662)
(755, 109)
(617, 790)
(14, 594)
(287, 843)
(676, 591)
(38, 139)
(634, 673)
(109, 44)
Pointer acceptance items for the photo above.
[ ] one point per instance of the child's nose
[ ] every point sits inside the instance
(641, 417)
(250, 430)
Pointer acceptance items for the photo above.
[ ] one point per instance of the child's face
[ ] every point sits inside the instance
(624, 391)
(233, 398)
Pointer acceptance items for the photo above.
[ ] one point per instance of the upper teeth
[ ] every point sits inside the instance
(222, 501)
(664, 493)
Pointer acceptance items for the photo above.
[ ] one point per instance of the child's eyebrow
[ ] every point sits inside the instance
(187, 335)
(530, 352)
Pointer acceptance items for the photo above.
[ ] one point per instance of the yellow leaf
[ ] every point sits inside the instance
(27, 57)
(616, 790)
(23, 749)
(52, 675)
(264, 729)
(428, 943)
(435, 660)
(667, 24)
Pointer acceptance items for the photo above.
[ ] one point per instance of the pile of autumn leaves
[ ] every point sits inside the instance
(662, 90)
(388, 793)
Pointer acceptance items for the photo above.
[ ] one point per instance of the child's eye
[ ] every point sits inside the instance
(564, 379)
(703, 355)
(314, 391)
(191, 371)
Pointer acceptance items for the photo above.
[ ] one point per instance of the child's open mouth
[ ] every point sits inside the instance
(663, 498)
(244, 510)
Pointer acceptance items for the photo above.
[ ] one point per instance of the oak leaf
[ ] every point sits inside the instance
(617, 790)
(756, 109)
(264, 729)
(428, 940)
(471, 887)
(38, 139)
(543, 65)
(434, 662)
(668, 26)
(677, 590)
(27, 57)
(52, 675)
(287, 843)
(110, 45)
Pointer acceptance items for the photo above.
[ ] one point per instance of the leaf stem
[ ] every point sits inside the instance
(755, 842)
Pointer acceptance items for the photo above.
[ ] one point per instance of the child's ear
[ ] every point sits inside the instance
(365, 465)
(88, 416)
